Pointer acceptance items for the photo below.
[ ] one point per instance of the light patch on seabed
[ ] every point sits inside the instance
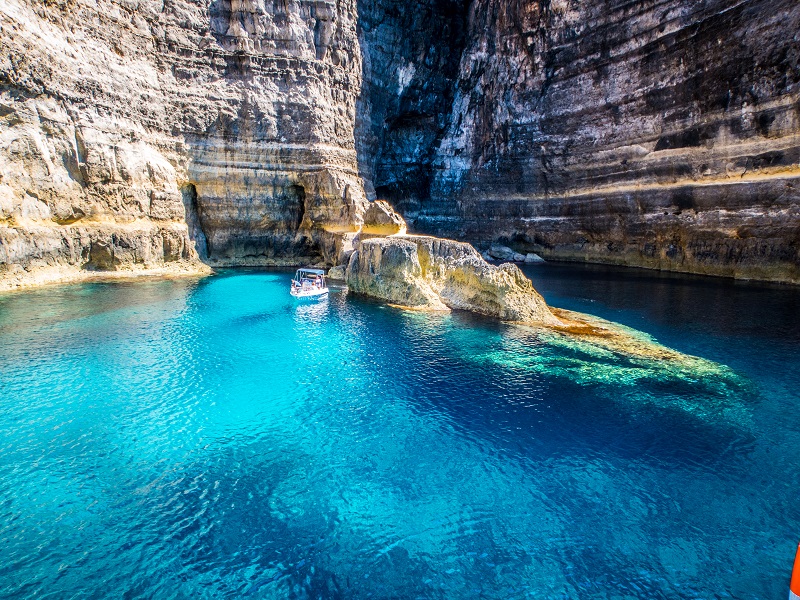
(709, 390)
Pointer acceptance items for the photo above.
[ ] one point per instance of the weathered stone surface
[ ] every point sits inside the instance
(381, 219)
(500, 252)
(663, 134)
(389, 269)
(531, 259)
(337, 273)
(659, 134)
(434, 274)
(142, 134)
(428, 273)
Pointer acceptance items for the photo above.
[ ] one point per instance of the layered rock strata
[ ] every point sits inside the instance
(140, 134)
(144, 135)
(663, 134)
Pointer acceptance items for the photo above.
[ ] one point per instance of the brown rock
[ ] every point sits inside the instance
(381, 219)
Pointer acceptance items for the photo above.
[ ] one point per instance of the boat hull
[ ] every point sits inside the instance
(309, 294)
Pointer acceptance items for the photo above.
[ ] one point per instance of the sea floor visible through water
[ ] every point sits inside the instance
(218, 439)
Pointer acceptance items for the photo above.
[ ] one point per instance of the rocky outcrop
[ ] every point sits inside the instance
(660, 134)
(433, 274)
(142, 135)
(428, 273)
(381, 219)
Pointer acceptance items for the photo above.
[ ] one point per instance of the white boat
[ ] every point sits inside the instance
(309, 283)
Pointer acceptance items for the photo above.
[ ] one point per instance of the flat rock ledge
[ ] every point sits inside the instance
(19, 279)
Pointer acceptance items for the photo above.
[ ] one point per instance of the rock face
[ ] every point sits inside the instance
(659, 134)
(141, 134)
(381, 219)
(150, 134)
(428, 273)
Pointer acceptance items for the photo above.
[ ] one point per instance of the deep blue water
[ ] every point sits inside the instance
(176, 439)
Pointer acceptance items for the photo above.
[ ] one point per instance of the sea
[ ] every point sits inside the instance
(217, 438)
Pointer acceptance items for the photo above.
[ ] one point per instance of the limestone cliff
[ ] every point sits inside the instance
(144, 134)
(150, 134)
(658, 133)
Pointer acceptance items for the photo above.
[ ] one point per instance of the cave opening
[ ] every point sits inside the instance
(296, 203)
(194, 221)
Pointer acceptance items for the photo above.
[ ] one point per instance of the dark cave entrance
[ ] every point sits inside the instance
(296, 205)
(194, 220)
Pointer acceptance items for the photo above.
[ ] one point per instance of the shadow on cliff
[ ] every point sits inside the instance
(196, 233)
(410, 58)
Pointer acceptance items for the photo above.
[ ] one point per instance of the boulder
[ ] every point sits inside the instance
(532, 259)
(500, 252)
(389, 269)
(429, 273)
(381, 219)
(337, 273)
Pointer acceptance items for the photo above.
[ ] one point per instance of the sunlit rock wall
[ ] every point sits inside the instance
(150, 133)
(141, 133)
(654, 133)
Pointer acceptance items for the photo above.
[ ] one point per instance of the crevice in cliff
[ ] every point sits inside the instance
(194, 220)
(411, 54)
(296, 205)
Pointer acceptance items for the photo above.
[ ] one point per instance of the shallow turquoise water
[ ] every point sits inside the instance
(217, 439)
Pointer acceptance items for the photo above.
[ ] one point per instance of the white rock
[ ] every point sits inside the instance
(500, 252)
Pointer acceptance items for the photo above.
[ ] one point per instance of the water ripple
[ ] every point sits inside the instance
(175, 440)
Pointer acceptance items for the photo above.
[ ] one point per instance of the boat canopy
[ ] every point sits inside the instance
(311, 271)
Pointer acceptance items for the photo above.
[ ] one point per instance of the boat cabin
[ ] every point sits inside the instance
(309, 282)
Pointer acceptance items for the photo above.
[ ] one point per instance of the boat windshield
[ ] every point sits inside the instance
(307, 278)
(309, 273)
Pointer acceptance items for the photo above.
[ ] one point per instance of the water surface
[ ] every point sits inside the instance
(175, 439)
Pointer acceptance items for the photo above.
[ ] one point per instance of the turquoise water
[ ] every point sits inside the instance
(176, 439)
